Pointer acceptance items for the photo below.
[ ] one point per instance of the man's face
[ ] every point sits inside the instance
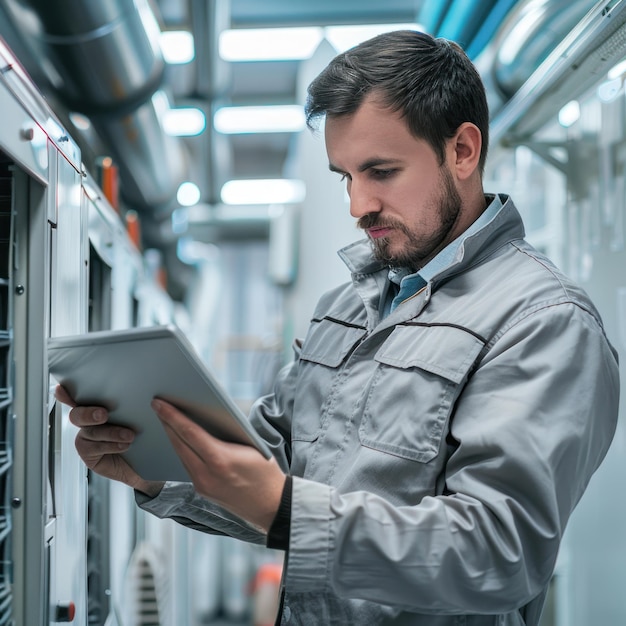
(404, 200)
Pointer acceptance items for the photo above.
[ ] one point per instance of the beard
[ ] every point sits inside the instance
(420, 248)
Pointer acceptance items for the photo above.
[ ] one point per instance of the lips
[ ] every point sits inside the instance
(378, 232)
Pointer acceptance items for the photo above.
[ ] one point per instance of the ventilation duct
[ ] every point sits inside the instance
(471, 23)
(532, 30)
(431, 15)
(107, 56)
(520, 34)
(463, 20)
(577, 63)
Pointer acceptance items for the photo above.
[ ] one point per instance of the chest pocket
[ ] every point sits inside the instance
(329, 341)
(328, 344)
(421, 371)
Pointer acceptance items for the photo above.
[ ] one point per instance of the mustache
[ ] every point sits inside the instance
(372, 220)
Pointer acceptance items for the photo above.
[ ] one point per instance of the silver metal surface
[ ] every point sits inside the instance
(577, 62)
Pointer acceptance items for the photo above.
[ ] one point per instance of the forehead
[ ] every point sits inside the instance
(372, 130)
(370, 114)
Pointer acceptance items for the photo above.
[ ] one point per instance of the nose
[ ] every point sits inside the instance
(362, 200)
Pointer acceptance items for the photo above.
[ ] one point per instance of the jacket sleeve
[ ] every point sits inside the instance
(530, 427)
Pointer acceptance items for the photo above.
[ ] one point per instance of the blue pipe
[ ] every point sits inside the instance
(432, 13)
(489, 27)
(464, 19)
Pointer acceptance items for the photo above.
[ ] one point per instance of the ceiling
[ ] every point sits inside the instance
(87, 56)
(207, 81)
(252, 13)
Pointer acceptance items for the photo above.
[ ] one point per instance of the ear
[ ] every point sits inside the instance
(465, 147)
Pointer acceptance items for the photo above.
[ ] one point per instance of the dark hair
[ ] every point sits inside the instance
(432, 81)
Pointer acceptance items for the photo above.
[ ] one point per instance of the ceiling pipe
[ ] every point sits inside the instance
(213, 81)
(463, 20)
(431, 15)
(531, 31)
(489, 27)
(107, 55)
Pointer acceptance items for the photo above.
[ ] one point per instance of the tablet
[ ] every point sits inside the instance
(123, 370)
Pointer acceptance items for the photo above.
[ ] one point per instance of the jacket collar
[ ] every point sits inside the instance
(505, 226)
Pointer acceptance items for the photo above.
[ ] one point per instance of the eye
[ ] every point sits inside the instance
(381, 174)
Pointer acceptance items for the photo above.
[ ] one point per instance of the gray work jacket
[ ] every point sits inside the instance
(438, 453)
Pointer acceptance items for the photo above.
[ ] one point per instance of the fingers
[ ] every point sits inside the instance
(182, 430)
(92, 450)
(100, 448)
(107, 433)
(105, 459)
(63, 396)
(100, 444)
(191, 443)
(235, 476)
(192, 462)
(92, 420)
(80, 415)
(83, 416)
(97, 440)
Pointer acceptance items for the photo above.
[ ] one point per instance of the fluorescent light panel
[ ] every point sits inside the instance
(177, 46)
(341, 38)
(184, 121)
(617, 70)
(569, 114)
(287, 118)
(263, 191)
(269, 44)
(280, 44)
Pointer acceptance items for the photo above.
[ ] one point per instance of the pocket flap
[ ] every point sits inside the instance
(446, 351)
(329, 341)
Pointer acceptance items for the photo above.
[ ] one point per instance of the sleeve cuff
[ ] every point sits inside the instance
(278, 534)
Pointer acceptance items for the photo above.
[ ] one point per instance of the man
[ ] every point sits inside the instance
(446, 409)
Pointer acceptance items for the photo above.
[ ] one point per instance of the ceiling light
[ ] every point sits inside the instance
(269, 44)
(288, 118)
(344, 37)
(609, 90)
(263, 191)
(617, 70)
(279, 44)
(80, 121)
(188, 194)
(177, 46)
(185, 122)
(569, 114)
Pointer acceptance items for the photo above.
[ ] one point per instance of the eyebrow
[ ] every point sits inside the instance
(373, 162)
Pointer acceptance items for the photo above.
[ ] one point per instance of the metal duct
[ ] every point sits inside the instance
(152, 164)
(532, 30)
(108, 57)
(595, 44)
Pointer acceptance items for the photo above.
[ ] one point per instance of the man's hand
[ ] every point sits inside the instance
(100, 445)
(232, 475)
